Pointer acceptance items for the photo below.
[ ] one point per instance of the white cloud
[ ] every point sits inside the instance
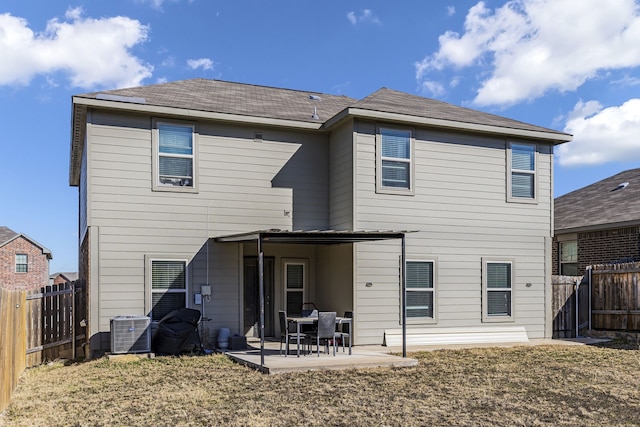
(451, 10)
(366, 16)
(434, 89)
(204, 63)
(91, 52)
(602, 135)
(169, 61)
(529, 47)
(156, 4)
(627, 80)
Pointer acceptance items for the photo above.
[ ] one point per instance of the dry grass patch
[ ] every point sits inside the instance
(552, 385)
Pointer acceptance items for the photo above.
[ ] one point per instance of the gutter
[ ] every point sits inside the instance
(598, 227)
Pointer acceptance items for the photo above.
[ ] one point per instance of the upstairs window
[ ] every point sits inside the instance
(394, 160)
(22, 263)
(175, 157)
(420, 287)
(522, 180)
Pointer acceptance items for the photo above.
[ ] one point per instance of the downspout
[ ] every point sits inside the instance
(404, 299)
(261, 292)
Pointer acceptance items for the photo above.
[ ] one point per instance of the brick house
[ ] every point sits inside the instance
(24, 263)
(62, 277)
(597, 224)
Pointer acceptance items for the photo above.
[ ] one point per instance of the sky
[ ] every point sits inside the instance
(569, 65)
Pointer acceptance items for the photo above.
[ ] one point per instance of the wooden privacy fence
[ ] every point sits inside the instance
(37, 326)
(615, 295)
(12, 343)
(52, 328)
(570, 306)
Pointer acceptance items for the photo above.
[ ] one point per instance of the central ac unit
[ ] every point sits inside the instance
(130, 334)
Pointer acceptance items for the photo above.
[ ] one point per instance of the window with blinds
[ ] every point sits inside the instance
(294, 287)
(394, 160)
(175, 157)
(523, 171)
(498, 289)
(168, 287)
(420, 289)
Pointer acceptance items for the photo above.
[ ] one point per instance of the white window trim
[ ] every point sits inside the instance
(510, 171)
(393, 190)
(305, 279)
(434, 290)
(16, 263)
(148, 279)
(156, 186)
(502, 318)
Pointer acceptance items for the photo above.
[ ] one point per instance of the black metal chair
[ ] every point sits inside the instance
(326, 331)
(287, 335)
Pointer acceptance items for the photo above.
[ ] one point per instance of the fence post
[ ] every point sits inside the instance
(590, 290)
(576, 295)
(73, 319)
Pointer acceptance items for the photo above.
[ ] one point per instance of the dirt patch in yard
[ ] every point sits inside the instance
(546, 385)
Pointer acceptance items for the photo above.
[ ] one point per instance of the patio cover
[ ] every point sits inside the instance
(317, 237)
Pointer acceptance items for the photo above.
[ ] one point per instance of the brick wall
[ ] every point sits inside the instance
(37, 274)
(602, 247)
(607, 246)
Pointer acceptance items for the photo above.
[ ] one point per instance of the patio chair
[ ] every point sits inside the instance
(286, 335)
(309, 309)
(345, 329)
(326, 331)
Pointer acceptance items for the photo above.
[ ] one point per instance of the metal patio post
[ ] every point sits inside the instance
(261, 291)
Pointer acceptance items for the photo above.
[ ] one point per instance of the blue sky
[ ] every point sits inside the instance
(571, 65)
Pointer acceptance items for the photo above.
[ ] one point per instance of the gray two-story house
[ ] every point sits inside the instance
(182, 185)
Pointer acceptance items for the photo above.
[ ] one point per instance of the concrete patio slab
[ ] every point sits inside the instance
(369, 356)
(276, 363)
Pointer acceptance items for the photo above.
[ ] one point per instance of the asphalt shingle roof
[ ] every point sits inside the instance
(6, 234)
(237, 98)
(604, 202)
(393, 101)
(287, 104)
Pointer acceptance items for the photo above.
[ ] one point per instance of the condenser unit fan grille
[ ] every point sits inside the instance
(130, 334)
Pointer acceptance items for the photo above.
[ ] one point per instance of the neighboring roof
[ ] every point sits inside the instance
(7, 236)
(316, 237)
(69, 276)
(269, 106)
(604, 204)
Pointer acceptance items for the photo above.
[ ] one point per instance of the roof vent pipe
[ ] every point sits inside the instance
(315, 114)
(621, 186)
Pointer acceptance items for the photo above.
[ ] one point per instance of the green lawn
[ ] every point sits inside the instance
(547, 385)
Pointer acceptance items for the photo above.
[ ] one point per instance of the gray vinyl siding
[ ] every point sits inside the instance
(461, 216)
(82, 194)
(244, 185)
(341, 177)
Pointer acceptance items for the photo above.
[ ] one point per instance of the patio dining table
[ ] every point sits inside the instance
(310, 320)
